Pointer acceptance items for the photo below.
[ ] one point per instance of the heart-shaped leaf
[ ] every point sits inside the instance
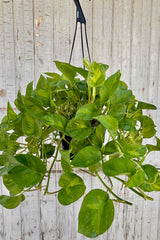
(96, 214)
(11, 201)
(86, 157)
(110, 123)
(72, 188)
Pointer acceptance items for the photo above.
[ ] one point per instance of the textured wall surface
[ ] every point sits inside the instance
(125, 34)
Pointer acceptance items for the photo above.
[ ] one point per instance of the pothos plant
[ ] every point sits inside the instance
(102, 128)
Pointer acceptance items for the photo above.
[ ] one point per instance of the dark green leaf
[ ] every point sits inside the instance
(143, 105)
(19, 102)
(118, 112)
(128, 124)
(110, 123)
(47, 150)
(77, 144)
(120, 96)
(78, 128)
(119, 166)
(110, 148)
(86, 157)
(72, 188)
(96, 214)
(98, 136)
(3, 140)
(11, 201)
(29, 172)
(33, 107)
(156, 147)
(110, 86)
(68, 71)
(29, 89)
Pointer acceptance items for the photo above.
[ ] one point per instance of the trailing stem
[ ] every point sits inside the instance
(54, 160)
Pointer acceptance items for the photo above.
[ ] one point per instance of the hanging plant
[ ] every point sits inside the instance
(103, 127)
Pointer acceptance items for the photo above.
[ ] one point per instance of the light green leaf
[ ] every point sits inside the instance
(65, 161)
(78, 128)
(19, 102)
(87, 112)
(31, 126)
(57, 121)
(119, 166)
(11, 185)
(96, 214)
(110, 86)
(72, 188)
(96, 74)
(156, 147)
(3, 140)
(86, 157)
(11, 202)
(132, 150)
(110, 123)
(29, 89)
(10, 112)
(137, 179)
(148, 127)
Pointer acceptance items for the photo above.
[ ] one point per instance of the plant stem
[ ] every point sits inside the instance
(54, 160)
(88, 172)
(117, 197)
(93, 94)
(141, 193)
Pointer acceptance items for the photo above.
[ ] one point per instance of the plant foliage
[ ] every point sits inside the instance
(103, 127)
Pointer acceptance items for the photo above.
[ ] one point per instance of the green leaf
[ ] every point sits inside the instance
(110, 148)
(118, 112)
(151, 182)
(87, 64)
(42, 91)
(29, 172)
(86, 157)
(120, 96)
(72, 188)
(29, 89)
(128, 124)
(34, 107)
(68, 71)
(156, 147)
(119, 166)
(137, 179)
(110, 123)
(98, 136)
(110, 86)
(3, 140)
(65, 161)
(132, 150)
(143, 105)
(96, 74)
(13, 188)
(11, 202)
(78, 128)
(87, 112)
(10, 112)
(77, 144)
(96, 214)
(47, 151)
(148, 127)
(57, 121)
(31, 126)
(55, 76)
(19, 102)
